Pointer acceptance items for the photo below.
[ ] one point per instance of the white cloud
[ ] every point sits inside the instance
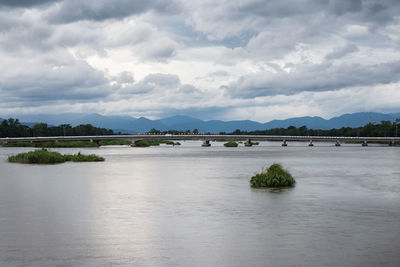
(230, 59)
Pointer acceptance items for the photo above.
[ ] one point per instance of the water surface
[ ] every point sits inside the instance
(192, 206)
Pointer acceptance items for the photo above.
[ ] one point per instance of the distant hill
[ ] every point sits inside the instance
(310, 122)
(179, 119)
(346, 120)
(126, 124)
(143, 125)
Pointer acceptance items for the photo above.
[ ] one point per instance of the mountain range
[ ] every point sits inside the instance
(127, 124)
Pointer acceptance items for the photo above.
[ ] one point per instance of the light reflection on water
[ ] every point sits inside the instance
(190, 206)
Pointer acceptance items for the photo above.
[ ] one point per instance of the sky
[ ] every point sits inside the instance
(210, 59)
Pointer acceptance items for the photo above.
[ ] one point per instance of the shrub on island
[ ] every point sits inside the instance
(147, 143)
(231, 144)
(47, 157)
(172, 143)
(114, 142)
(274, 176)
(83, 158)
(38, 157)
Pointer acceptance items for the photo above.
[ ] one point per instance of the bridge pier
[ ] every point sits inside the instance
(284, 143)
(365, 143)
(206, 143)
(310, 144)
(133, 143)
(248, 143)
(337, 143)
(97, 142)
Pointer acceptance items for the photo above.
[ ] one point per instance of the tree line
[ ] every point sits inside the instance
(13, 128)
(384, 129)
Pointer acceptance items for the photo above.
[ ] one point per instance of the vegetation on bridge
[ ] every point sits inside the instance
(274, 176)
(44, 156)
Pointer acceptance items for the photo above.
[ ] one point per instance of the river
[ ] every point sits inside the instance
(192, 206)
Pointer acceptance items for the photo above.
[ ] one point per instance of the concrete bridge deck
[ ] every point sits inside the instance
(282, 138)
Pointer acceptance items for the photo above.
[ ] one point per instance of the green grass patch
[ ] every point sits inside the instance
(274, 176)
(18, 144)
(147, 143)
(47, 157)
(171, 143)
(231, 144)
(115, 142)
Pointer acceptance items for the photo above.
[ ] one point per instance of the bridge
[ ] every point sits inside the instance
(338, 140)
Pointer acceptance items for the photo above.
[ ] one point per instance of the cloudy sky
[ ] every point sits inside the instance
(225, 59)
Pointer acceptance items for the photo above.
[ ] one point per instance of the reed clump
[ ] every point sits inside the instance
(274, 176)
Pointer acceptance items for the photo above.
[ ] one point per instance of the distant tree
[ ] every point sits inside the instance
(153, 130)
(236, 132)
(40, 129)
(13, 128)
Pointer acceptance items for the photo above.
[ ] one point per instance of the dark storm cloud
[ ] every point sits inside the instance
(152, 82)
(314, 77)
(162, 80)
(226, 19)
(373, 10)
(125, 77)
(161, 83)
(99, 10)
(25, 3)
(339, 7)
(41, 82)
(341, 52)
